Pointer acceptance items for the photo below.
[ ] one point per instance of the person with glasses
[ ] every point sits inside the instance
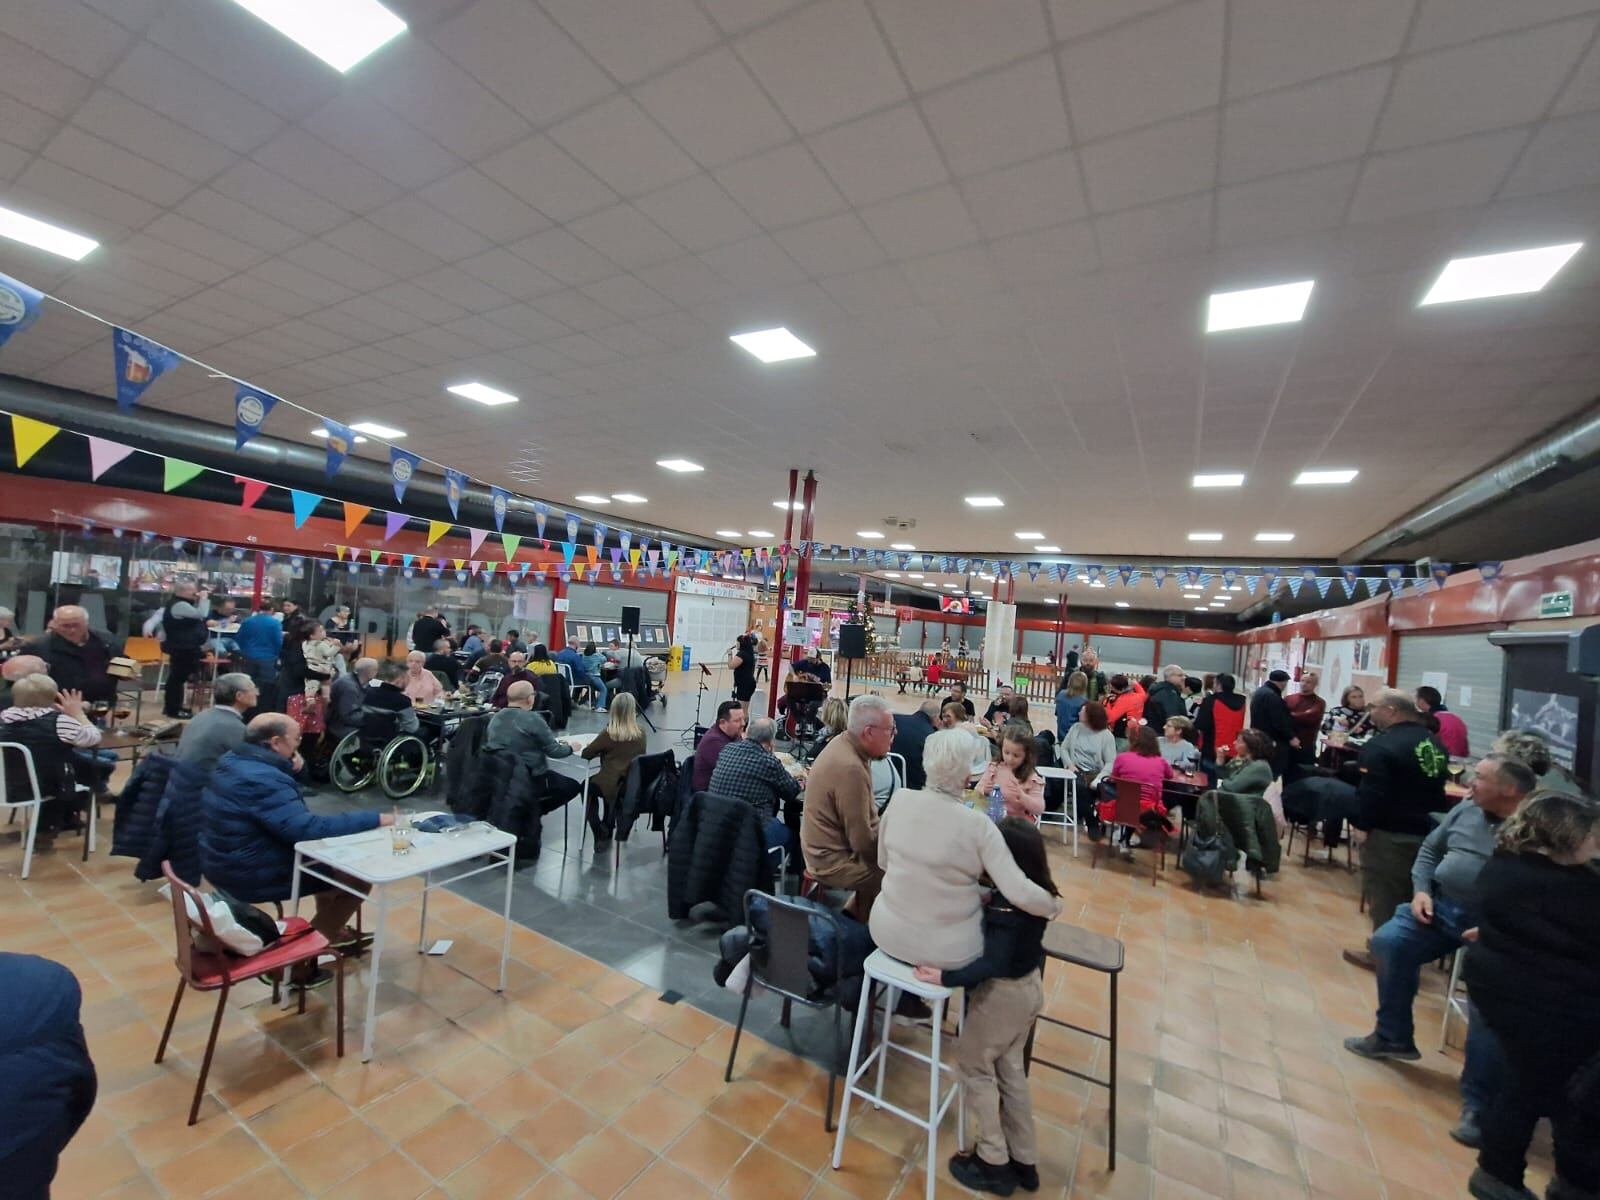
(839, 831)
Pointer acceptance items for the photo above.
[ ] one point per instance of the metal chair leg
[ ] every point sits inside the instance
(834, 1064)
(172, 1016)
(211, 1048)
(744, 1005)
(338, 998)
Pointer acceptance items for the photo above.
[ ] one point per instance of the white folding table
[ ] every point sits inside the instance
(370, 858)
(575, 766)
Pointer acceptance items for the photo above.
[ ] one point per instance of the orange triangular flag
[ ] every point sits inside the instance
(354, 514)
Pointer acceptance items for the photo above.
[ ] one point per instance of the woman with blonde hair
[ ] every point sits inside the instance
(616, 746)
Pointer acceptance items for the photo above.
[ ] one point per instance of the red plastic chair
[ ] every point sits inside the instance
(1130, 797)
(212, 972)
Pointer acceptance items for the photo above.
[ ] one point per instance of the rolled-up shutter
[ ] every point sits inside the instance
(1467, 660)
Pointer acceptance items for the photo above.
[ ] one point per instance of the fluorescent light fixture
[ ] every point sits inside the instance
(796, 505)
(1219, 604)
(1192, 596)
(1123, 604)
(1323, 478)
(1047, 549)
(592, 499)
(1097, 583)
(986, 502)
(1274, 537)
(339, 32)
(1281, 304)
(1510, 274)
(901, 546)
(628, 497)
(482, 393)
(1029, 535)
(1201, 608)
(729, 533)
(320, 432)
(955, 587)
(1201, 536)
(1219, 479)
(682, 465)
(871, 535)
(914, 575)
(43, 236)
(892, 574)
(762, 533)
(378, 431)
(1234, 588)
(773, 345)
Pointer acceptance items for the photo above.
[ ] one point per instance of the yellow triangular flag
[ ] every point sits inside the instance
(339, 553)
(577, 570)
(436, 530)
(354, 514)
(31, 437)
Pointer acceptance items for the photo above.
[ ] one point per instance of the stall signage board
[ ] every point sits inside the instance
(707, 587)
(1555, 604)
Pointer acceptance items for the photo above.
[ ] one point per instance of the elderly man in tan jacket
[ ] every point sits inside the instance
(839, 833)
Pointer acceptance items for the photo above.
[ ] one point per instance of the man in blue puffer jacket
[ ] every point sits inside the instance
(47, 1083)
(254, 814)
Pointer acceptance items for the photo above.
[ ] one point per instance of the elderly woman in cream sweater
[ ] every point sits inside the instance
(933, 849)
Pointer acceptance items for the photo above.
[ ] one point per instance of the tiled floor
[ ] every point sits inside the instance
(581, 1082)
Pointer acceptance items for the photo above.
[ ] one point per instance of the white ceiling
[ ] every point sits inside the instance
(997, 223)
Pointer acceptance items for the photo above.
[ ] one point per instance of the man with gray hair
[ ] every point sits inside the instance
(219, 728)
(345, 697)
(19, 667)
(1165, 700)
(839, 831)
(749, 770)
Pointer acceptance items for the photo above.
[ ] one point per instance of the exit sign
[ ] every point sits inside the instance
(1555, 604)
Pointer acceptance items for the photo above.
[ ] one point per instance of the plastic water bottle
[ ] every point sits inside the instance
(997, 805)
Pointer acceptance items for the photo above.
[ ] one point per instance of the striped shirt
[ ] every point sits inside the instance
(69, 729)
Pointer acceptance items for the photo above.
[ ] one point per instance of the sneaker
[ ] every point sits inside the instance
(321, 977)
(1027, 1175)
(1372, 1046)
(1469, 1130)
(1486, 1187)
(348, 941)
(1362, 959)
(970, 1171)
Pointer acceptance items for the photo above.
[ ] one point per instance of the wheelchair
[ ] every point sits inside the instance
(402, 763)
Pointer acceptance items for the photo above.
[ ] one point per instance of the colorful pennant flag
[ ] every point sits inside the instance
(354, 514)
(140, 362)
(455, 487)
(1348, 577)
(104, 455)
(541, 514)
(1488, 572)
(341, 441)
(19, 307)
(28, 436)
(402, 468)
(509, 544)
(500, 503)
(475, 539)
(1441, 572)
(572, 528)
(175, 472)
(254, 489)
(251, 408)
(393, 523)
(436, 530)
(372, 556)
(305, 503)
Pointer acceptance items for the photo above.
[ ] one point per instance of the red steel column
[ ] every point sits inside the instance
(783, 593)
(802, 576)
(558, 619)
(261, 579)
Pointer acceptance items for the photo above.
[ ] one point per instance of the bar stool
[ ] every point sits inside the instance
(1093, 952)
(897, 977)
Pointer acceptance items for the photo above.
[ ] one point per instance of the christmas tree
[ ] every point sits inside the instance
(856, 617)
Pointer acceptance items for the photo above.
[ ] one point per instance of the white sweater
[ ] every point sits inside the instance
(933, 849)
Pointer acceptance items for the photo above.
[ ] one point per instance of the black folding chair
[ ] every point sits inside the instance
(780, 962)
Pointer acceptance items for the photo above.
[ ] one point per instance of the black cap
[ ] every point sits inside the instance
(1279, 677)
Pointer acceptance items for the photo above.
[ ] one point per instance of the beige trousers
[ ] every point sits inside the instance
(989, 1061)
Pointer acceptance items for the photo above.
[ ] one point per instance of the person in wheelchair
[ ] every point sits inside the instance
(388, 742)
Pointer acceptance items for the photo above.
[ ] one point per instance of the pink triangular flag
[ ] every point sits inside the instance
(477, 536)
(104, 455)
(393, 524)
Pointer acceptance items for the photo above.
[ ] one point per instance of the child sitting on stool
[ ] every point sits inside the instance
(1005, 993)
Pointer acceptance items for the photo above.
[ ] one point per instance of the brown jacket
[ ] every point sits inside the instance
(841, 819)
(615, 759)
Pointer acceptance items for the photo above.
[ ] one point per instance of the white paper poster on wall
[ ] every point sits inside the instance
(1439, 681)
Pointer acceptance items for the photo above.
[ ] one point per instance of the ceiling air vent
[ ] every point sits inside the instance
(901, 523)
(1177, 620)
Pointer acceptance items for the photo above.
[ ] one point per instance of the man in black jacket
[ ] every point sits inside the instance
(427, 630)
(911, 730)
(47, 1081)
(78, 656)
(183, 638)
(1165, 700)
(1403, 771)
(1270, 714)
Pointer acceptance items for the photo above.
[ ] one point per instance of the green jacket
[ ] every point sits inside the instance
(1247, 817)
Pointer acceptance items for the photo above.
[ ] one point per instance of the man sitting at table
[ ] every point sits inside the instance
(255, 812)
(421, 684)
(519, 730)
(749, 770)
(53, 726)
(1001, 705)
(958, 695)
(839, 831)
(78, 655)
(386, 694)
(572, 657)
(444, 661)
(345, 697)
(518, 673)
(17, 668)
(729, 728)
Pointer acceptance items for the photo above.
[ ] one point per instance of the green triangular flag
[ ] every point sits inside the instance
(510, 542)
(374, 554)
(177, 473)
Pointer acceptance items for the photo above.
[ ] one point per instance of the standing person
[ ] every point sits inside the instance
(1005, 995)
(743, 662)
(305, 672)
(1444, 905)
(1218, 721)
(1534, 975)
(839, 829)
(183, 640)
(47, 1080)
(1306, 710)
(1403, 773)
(427, 629)
(616, 746)
(1093, 675)
(259, 643)
(1070, 700)
(1270, 714)
(1166, 699)
(1125, 706)
(1016, 774)
(1452, 729)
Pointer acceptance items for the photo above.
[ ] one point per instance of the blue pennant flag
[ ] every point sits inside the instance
(402, 469)
(855, 554)
(625, 540)
(1125, 573)
(251, 408)
(1273, 577)
(1324, 584)
(1348, 577)
(140, 362)
(1250, 582)
(1294, 582)
(1488, 572)
(1441, 572)
(500, 502)
(1033, 572)
(19, 307)
(455, 486)
(305, 503)
(599, 535)
(572, 528)
(1395, 577)
(541, 514)
(1159, 574)
(341, 440)
(1374, 583)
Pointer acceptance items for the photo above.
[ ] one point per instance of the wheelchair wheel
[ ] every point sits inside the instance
(404, 766)
(352, 766)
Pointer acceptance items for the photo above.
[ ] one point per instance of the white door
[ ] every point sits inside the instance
(709, 626)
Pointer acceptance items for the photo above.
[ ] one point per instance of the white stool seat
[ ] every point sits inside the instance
(898, 977)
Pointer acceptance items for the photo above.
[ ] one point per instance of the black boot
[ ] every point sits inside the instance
(971, 1171)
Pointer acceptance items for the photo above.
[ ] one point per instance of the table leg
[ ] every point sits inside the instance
(378, 938)
(505, 943)
(294, 887)
(422, 926)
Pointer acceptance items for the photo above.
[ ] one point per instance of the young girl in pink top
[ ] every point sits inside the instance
(1021, 786)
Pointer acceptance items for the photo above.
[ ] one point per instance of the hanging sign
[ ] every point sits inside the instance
(140, 362)
(251, 408)
(19, 307)
(455, 485)
(402, 468)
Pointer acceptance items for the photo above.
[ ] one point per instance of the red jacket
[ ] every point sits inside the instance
(1130, 704)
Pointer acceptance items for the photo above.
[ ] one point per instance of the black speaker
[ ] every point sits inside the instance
(630, 620)
(852, 641)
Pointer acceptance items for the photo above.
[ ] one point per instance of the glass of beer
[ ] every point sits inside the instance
(400, 832)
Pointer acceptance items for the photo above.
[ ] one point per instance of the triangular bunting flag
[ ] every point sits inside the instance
(1294, 582)
(1348, 576)
(461, 563)
(372, 556)
(393, 523)
(577, 570)
(1488, 572)
(436, 530)
(568, 549)
(592, 553)
(354, 514)
(254, 489)
(1250, 582)
(175, 473)
(1324, 582)
(338, 553)
(509, 544)
(475, 539)
(30, 437)
(104, 455)
(305, 503)
(1373, 584)
(405, 559)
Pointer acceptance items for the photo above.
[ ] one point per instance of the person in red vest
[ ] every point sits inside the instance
(1218, 720)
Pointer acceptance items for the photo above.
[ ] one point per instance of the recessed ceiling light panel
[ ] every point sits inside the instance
(762, 533)
(482, 393)
(1511, 274)
(42, 235)
(1281, 304)
(385, 432)
(729, 533)
(1323, 478)
(681, 465)
(869, 534)
(796, 505)
(1274, 537)
(339, 32)
(1047, 549)
(773, 345)
(589, 499)
(1202, 536)
(986, 502)
(320, 432)
(1123, 604)
(1029, 535)
(1218, 479)
(628, 497)
(901, 546)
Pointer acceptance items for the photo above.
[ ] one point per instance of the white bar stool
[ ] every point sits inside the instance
(897, 977)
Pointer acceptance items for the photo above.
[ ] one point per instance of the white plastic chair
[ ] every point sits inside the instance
(35, 803)
(897, 764)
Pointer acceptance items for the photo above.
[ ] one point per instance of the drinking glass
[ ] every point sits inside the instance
(400, 832)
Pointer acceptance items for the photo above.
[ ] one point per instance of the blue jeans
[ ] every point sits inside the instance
(602, 694)
(776, 834)
(1402, 946)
